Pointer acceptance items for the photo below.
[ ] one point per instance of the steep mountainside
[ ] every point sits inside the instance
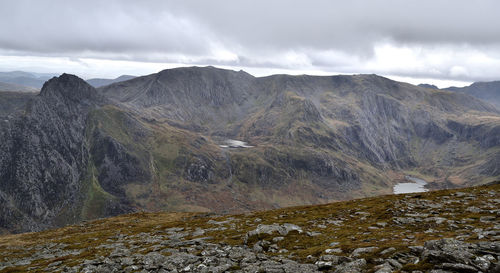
(159, 142)
(488, 91)
(44, 156)
(102, 82)
(440, 231)
(362, 119)
(11, 102)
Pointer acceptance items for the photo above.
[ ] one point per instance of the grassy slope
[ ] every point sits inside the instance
(166, 151)
(360, 226)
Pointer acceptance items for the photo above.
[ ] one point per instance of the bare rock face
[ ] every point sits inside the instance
(44, 155)
(11, 102)
(194, 96)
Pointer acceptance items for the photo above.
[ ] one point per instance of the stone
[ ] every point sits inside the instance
(458, 267)
(363, 250)
(482, 263)
(487, 219)
(333, 250)
(335, 260)
(351, 267)
(282, 230)
(394, 264)
(447, 251)
(387, 251)
(384, 268)
(323, 265)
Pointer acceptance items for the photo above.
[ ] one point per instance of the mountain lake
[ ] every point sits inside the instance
(232, 143)
(416, 185)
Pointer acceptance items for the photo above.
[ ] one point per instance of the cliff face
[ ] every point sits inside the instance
(11, 102)
(43, 154)
(153, 143)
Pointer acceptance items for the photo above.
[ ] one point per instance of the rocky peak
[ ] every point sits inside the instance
(69, 87)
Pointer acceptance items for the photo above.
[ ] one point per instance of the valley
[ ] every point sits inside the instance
(75, 153)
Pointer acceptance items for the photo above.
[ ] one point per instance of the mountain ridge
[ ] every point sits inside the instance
(99, 82)
(29, 79)
(487, 91)
(153, 143)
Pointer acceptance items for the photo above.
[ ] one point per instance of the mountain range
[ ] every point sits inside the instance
(159, 142)
(487, 91)
(98, 82)
(22, 81)
(27, 79)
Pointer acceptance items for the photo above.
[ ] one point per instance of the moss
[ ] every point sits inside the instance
(96, 197)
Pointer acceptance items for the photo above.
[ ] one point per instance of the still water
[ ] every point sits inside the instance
(416, 185)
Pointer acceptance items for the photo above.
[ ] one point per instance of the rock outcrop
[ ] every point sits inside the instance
(43, 155)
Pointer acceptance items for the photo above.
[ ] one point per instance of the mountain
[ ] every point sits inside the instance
(44, 156)
(10, 102)
(9, 87)
(103, 82)
(439, 231)
(28, 79)
(426, 85)
(159, 142)
(487, 91)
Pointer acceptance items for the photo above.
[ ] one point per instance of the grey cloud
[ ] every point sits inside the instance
(96, 26)
(195, 31)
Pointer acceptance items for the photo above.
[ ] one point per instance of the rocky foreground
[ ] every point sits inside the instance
(441, 231)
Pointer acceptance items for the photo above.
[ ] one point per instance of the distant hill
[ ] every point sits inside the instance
(102, 82)
(488, 91)
(426, 85)
(30, 79)
(9, 87)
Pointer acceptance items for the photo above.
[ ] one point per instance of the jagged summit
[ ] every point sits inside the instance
(70, 87)
(156, 143)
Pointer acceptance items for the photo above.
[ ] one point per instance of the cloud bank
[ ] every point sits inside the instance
(436, 39)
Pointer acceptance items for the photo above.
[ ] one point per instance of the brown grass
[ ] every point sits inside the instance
(355, 231)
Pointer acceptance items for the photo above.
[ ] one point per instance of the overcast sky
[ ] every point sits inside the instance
(438, 41)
